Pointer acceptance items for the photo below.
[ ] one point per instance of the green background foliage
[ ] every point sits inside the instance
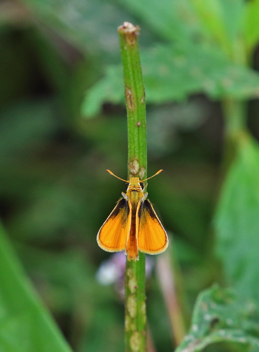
(63, 123)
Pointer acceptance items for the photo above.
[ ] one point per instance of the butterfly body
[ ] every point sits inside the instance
(133, 225)
(134, 195)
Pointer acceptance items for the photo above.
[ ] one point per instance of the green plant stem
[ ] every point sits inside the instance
(234, 110)
(135, 297)
(235, 128)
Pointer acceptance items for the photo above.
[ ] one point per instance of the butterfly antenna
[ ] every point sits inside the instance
(157, 173)
(117, 176)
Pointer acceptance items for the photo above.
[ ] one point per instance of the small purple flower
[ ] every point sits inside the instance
(111, 271)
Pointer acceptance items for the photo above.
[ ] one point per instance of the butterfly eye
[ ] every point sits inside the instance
(141, 185)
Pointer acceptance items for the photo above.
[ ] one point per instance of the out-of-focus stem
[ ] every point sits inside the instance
(235, 126)
(166, 279)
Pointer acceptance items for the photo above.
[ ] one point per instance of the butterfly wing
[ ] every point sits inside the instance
(114, 233)
(151, 235)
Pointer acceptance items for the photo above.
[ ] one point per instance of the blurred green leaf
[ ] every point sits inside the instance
(65, 279)
(222, 20)
(173, 73)
(108, 89)
(232, 12)
(67, 282)
(185, 20)
(237, 221)
(88, 25)
(218, 316)
(171, 19)
(251, 24)
(25, 324)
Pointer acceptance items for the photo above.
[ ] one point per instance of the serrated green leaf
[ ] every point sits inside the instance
(218, 316)
(25, 324)
(173, 73)
(237, 221)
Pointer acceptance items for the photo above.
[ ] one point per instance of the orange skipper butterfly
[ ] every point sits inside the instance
(133, 225)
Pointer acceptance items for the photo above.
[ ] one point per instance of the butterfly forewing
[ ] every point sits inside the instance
(114, 233)
(151, 235)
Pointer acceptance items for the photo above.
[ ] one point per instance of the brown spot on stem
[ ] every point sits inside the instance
(138, 124)
(143, 99)
(128, 96)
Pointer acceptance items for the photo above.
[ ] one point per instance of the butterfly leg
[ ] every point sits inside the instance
(144, 197)
(145, 187)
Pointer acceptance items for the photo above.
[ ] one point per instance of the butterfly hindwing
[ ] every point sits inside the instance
(151, 235)
(114, 233)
